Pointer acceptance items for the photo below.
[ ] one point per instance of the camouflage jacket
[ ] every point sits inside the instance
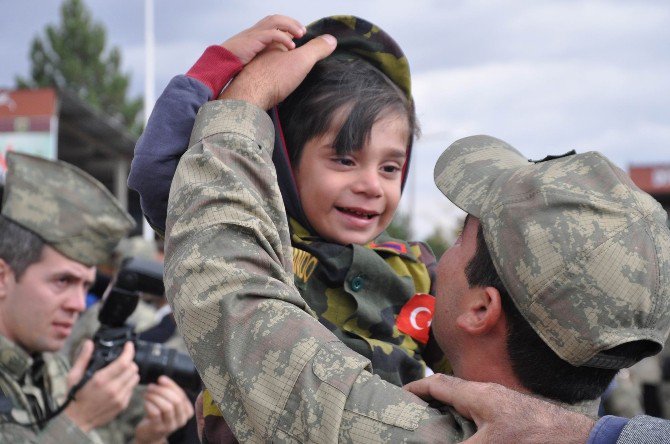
(275, 372)
(358, 293)
(33, 389)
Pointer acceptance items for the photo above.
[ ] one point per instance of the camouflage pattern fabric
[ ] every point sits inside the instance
(69, 209)
(583, 252)
(275, 372)
(358, 36)
(357, 294)
(24, 382)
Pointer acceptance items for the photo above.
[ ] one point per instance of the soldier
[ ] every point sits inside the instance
(348, 132)
(565, 260)
(57, 222)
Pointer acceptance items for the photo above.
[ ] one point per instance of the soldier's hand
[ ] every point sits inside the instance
(275, 73)
(273, 29)
(167, 408)
(502, 414)
(107, 393)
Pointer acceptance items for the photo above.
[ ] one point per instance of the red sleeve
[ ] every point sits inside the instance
(215, 67)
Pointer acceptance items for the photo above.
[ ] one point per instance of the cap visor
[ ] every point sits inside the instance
(468, 168)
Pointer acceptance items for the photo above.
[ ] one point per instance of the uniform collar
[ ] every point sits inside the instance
(382, 244)
(14, 359)
(389, 245)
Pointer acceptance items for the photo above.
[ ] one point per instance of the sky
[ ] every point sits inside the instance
(545, 76)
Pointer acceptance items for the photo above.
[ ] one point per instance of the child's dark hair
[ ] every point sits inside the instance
(342, 81)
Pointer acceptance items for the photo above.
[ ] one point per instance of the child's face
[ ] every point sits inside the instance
(351, 199)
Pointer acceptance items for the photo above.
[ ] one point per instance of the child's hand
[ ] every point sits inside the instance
(272, 29)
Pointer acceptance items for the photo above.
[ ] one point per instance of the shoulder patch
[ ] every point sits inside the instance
(394, 247)
(416, 316)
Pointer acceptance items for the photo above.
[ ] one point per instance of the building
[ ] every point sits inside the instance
(59, 125)
(655, 180)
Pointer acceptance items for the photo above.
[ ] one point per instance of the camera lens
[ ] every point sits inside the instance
(154, 360)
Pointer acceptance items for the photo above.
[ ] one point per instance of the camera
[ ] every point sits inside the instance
(153, 359)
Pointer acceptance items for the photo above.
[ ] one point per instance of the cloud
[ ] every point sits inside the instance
(546, 76)
(540, 108)
(546, 106)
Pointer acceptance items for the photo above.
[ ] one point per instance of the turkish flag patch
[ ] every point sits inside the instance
(416, 316)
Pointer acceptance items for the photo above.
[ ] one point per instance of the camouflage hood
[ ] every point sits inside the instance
(362, 39)
(582, 251)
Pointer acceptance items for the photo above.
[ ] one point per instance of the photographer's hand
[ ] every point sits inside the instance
(107, 393)
(167, 409)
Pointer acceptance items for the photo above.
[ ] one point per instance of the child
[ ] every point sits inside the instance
(342, 147)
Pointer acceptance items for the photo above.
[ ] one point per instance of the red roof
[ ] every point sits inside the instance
(654, 179)
(27, 102)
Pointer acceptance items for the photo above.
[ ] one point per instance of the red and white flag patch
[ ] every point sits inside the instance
(416, 316)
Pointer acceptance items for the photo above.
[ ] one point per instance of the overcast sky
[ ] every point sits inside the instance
(545, 76)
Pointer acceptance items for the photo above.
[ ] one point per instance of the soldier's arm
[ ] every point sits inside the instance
(274, 371)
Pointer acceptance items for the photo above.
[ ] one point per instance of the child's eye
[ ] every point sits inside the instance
(343, 161)
(390, 168)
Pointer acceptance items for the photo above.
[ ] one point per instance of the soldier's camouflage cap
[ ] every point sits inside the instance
(358, 36)
(583, 252)
(70, 210)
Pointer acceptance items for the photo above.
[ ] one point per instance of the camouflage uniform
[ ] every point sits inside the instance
(30, 402)
(358, 293)
(582, 251)
(274, 372)
(77, 216)
(278, 375)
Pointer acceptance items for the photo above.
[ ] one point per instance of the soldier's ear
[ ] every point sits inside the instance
(6, 278)
(483, 311)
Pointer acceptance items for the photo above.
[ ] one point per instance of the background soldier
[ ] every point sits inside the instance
(58, 222)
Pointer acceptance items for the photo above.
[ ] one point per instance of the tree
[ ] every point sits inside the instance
(399, 227)
(72, 55)
(437, 242)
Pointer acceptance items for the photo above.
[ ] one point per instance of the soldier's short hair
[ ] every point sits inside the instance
(19, 247)
(534, 363)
